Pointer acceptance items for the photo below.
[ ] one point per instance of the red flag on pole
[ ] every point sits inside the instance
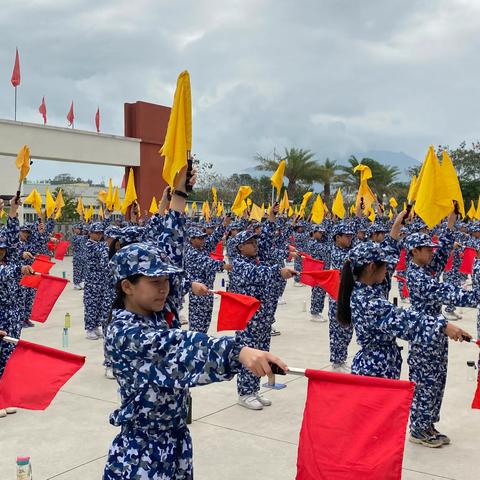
(61, 249)
(449, 264)
(309, 264)
(353, 427)
(70, 116)
(476, 398)
(467, 262)
(329, 280)
(34, 374)
(403, 280)
(47, 295)
(16, 71)
(218, 253)
(97, 120)
(43, 110)
(32, 281)
(236, 310)
(402, 262)
(41, 265)
(42, 256)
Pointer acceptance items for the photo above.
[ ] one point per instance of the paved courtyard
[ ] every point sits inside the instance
(70, 440)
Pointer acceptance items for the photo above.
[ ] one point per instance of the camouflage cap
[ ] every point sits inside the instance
(416, 240)
(366, 252)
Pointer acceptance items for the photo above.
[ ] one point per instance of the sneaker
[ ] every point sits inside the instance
(442, 437)
(109, 373)
(274, 332)
(450, 316)
(183, 319)
(250, 401)
(28, 324)
(264, 401)
(317, 318)
(98, 332)
(3, 413)
(425, 439)
(341, 367)
(11, 410)
(282, 301)
(298, 284)
(91, 335)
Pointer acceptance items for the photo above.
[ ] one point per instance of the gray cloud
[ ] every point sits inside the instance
(333, 76)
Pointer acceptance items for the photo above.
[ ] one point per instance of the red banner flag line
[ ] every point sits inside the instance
(310, 264)
(43, 110)
(16, 71)
(47, 295)
(329, 280)
(353, 427)
(467, 262)
(71, 116)
(34, 374)
(235, 311)
(97, 120)
(61, 249)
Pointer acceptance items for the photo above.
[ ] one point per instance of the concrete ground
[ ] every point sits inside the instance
(70, 440)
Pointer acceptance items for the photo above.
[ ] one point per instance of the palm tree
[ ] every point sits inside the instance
(383, 181)
(299, 167)
(328, 175)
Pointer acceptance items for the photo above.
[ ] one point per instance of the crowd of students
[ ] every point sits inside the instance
(136, 275)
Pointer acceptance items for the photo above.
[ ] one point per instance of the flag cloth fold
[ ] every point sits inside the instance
(153, 206)
(235, 311)
(468, 259)
(15, 79)
(61, 249)
(178, 139)
(47, 295)
(42, 265)
(277, 177)
(329, 280)
(256, 213)
(353, 427)
(43, 110)
(338, 208)
(32, 281)
(34, 374)
(22, 162)
(312, 265)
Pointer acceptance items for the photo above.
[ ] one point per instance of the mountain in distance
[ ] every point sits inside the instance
(396, 159)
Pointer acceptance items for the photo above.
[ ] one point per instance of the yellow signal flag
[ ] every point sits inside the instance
(371, 215)
(431, 204)
(153, 206)
(290, 211)
(352, 209)
(263, 207)
(238, 206)
(102, 196)
(116, 203)
(101, 213)
(390, 214)
(178, 139)
(326, 208)
(277, 177)
(256, 213)
(2, 213)
(194, 206)
(130, 192)
(80, 208)
(249, 202)
(59, 204)
(411, 189)
(186, 209)
(109, 199)
(365, 172)
(269, 208)
(404, 205)
(471, 212)
(453, 190)
(35, 200)
(220, 208)
(284, 203)
(22, 162)
(304, 203)
(477, 211)
(429, 160)
(49, 203)
(206, 210)
(318, 210)
(296, 210)
(214, 195)
(338, 208)
(89, 213)
(393, 202)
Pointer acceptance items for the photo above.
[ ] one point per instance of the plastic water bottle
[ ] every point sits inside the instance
(65, 338)
(67, 321)
(24, 468)
(304, 306)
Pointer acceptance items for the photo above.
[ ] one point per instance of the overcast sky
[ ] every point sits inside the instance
(332, 76)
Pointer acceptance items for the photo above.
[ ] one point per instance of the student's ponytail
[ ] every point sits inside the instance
(344, 312)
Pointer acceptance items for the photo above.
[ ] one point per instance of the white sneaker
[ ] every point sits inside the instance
(274, 332)
(264, 401)
(250, 401)
(98, 332)
(450, 316)
(183, 319)
(341, 368)
(109, 373)
(282, 301)
(3, 413)
(91, 335)
(11, 410)
(317, 318)
(298, 284)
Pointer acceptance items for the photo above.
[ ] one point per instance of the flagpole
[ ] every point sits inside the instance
(15, 103)
(10, 339)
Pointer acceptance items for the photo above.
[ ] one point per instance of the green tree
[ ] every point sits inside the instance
(69, 211)
(328, 175)
(300, 168)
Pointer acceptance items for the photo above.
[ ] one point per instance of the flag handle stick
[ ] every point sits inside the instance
(10, 340)
(475, 341)
(15, 103)
(296, 371)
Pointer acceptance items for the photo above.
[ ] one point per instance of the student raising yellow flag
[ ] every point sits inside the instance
(59, 204)
(35, 200)
(238, 206)
(277, 177)
(284, 204)
(130, 192)
(256, 213)
(80, 208)
(318, 210)
(22, 162)
(337, 207)
(305, 199)
(178, 139)
(364, 193)
(49, 203)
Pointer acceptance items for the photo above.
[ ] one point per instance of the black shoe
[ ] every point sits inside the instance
(426, 439)
(441, 436)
